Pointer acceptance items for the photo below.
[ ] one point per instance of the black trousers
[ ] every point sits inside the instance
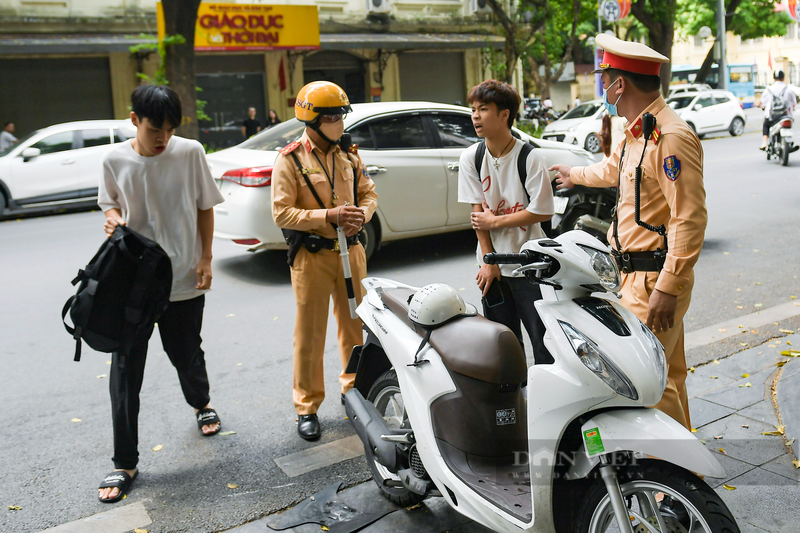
(179, 328)
(768, 123)
(518, 297)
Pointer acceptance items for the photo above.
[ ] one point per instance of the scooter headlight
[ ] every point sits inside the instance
(598, 362)
(659, 357)
(605, 267)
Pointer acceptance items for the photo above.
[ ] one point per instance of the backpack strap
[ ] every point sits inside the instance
(304, 172)
(479, 154)
(522, 166)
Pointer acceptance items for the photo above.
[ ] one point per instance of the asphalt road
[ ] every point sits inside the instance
(50, 465)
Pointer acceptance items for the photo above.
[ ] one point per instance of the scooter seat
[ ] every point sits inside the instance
(472, 346)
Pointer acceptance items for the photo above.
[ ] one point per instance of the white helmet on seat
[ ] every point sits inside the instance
(435, 304)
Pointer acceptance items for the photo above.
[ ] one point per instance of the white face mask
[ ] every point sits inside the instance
(332, 130)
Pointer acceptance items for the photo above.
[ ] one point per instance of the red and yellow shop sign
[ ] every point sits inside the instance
(232, 27)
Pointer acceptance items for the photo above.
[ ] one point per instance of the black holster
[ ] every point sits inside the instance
(294, 239)
(628, 262)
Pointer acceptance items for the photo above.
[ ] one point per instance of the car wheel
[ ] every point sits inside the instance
(691, 125)
(3, 203)
(737, 126)
(592, 143)
(369, 239)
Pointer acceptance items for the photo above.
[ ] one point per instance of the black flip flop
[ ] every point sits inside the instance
(206, 417)
(119, 479)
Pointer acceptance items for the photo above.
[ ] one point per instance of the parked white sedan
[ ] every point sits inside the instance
(59, 166)
(580, 126)
(710, 111)
(410, 149)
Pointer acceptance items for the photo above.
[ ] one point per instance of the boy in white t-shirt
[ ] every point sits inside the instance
(504, 214)
(160, 186)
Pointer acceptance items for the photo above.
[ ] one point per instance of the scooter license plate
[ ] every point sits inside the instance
(786, 132)
(560, 204)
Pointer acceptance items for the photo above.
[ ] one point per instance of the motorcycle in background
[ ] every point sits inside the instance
(781, 143)
(585, 208)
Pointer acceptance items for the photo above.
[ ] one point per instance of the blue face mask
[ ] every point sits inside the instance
(611, 108)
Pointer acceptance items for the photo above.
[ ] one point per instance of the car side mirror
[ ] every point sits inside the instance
(697, 107)
(673, 104)
(30, 153)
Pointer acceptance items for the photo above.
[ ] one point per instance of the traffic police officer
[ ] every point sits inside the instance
(657, 262)
(314, 186)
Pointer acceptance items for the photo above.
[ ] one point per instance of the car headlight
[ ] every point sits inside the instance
(659, 357)
(605, 267)
(598, 362)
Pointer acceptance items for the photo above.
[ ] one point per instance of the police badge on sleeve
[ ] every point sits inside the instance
(672, 167)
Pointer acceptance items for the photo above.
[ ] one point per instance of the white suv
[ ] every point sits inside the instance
(710, 111)
(59, 166)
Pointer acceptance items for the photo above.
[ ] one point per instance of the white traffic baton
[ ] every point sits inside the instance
(348, 277)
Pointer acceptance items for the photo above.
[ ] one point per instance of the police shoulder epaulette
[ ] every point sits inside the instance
(353, 149)
(289, 148)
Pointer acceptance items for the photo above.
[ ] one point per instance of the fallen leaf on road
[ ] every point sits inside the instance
(723, 330)
(758, 305)
(101, 376)
(694, 430)
(692, 369)
(14, 508)
(718, 437)
(225, 433)
(745, 385)
(716, 362)
(791, 353)
(787, 331)
(139, 530)
(722, 451)
(758, 283)
(76, 420)
(790, 442)
(746, 426)
(796, 463)
(739, 307)
(728, 487)
(779, 430)
(789, 343)
(324, 528)
(745, 375)
(713, 377)
(740, 327)
(233, 486)
(158, 447)
(743, 343)
(703, 441)
(781, 363)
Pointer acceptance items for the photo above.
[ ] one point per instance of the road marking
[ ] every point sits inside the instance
(704, 336)
(318, 457)
(117, 520)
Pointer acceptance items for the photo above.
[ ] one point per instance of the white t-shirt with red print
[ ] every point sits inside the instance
(502, 190)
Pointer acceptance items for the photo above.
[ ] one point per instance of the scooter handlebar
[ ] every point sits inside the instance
(522, 258)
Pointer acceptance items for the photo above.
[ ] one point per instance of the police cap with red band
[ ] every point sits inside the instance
(629, 56)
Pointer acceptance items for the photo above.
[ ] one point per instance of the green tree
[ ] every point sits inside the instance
(747, 19)
(658, 16)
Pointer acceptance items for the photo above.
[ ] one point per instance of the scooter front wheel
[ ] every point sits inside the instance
(385, 394)
(660, 497)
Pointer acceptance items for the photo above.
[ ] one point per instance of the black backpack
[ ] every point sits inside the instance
(778, 105)
(123, 289)
(522, 162)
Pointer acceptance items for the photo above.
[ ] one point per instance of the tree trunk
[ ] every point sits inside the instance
(661, 28)
(705, 69)
(180, 18)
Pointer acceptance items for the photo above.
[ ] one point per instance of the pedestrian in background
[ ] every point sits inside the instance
(160, 186)
(506, 210)
(777, 101)
(251, 125)
(317, 186)
(657, 268)
(7, 139)
(272, 118)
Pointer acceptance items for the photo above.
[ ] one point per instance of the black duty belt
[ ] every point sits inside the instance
(628, 262)
(314, 243)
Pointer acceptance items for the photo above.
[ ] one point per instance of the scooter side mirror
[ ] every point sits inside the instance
(29, 153)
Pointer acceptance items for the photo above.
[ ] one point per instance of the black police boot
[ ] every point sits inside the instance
(308, 427)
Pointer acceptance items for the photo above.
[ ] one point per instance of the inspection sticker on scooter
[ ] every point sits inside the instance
(593, 442)
(506, 417)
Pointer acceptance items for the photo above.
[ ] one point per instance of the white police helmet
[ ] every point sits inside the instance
(437, 303)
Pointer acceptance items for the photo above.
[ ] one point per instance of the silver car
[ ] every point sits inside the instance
(410, 149)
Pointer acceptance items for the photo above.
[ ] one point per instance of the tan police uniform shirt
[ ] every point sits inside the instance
(672, 193)
(293, 203)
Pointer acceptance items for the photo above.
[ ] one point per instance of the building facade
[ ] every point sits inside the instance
(71, 60)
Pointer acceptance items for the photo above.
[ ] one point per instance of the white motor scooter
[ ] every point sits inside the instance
(440, 403)
(781, 142)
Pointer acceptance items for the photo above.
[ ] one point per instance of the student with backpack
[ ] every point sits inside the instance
(160, 186)
(777, 101)
(508, 185)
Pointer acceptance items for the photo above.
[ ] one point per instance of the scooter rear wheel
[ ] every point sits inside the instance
(385, 394)
(694, 505)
